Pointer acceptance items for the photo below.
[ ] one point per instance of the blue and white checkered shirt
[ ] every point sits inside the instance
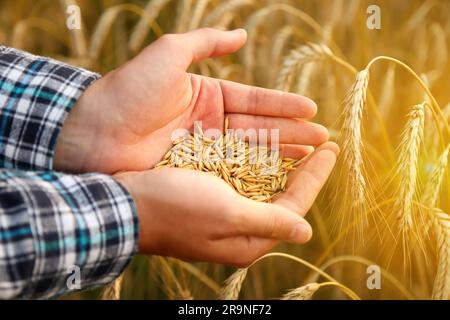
(52, 222)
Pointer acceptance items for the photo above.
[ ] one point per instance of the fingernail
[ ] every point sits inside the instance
(239, 30)
(312, 102)
(301, 233)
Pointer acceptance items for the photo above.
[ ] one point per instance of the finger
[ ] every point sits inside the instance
(306, 182)
(295, 151)
(201, 44)
(240, 98)
(332, 146)
(291, 131)
(271, 221)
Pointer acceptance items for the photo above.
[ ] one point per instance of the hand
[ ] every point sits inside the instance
(193, 215)
(124, 121)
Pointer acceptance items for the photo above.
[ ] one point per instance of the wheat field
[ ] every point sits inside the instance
(384, 94)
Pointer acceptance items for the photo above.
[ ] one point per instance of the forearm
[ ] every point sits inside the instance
(52, 222)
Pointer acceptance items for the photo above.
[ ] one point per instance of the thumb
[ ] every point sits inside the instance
(272, 221)
(305, 183)
(186, 48)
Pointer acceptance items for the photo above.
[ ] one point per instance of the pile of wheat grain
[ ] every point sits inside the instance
(254, 171)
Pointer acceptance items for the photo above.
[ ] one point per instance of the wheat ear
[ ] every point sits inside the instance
(305, 292)
(298, 57)
(411, 141)
(352, 144)
(233, 285)
(441, 288)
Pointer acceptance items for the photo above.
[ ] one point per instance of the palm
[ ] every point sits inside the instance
(206, 105)
(209, 101)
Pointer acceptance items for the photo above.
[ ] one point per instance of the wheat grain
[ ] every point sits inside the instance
(256, 173)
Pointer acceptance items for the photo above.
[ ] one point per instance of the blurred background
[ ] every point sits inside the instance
(415, 32)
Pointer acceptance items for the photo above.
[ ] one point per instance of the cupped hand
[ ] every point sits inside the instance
(193, 215)
(124, 121)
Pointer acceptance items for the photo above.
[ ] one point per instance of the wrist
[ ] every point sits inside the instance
(76, 141)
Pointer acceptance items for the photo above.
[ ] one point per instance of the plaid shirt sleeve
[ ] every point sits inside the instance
(53, 224)
(36, 95)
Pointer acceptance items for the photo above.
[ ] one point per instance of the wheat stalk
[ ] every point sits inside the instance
(183, 14)
(112, 291)
(441, 56)
(101, 30)
(412, 137)
(280, 42)
(305, 292)
(218, 17)
(233, 285)
(298, 57)
(198, 13)
(441, 288)
(140, 31)
(446, 112)
(387, 92)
